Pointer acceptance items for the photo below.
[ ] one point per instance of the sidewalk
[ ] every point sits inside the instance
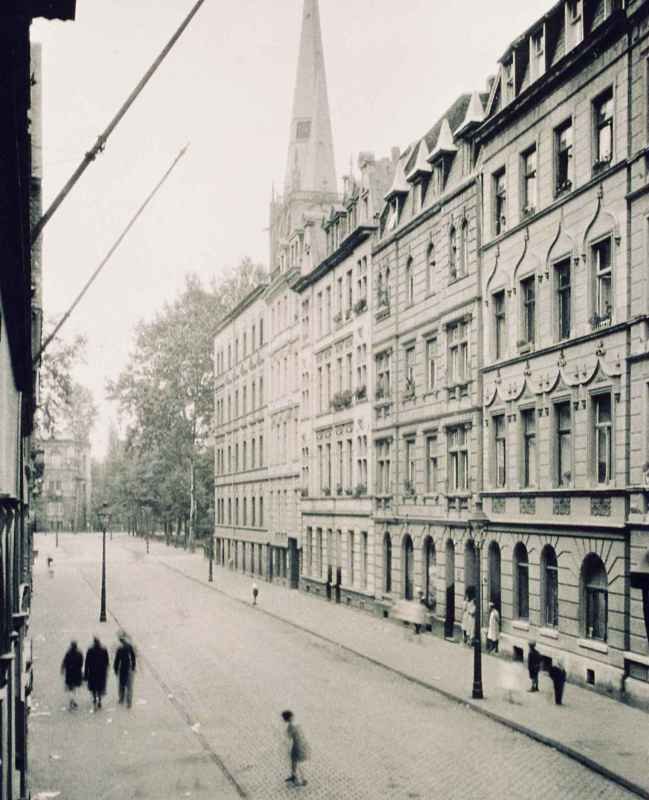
(601, 733)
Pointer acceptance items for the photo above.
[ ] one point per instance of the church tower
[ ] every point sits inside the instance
(310, 178)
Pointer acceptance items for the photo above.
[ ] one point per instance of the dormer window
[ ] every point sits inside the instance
(393, 214)
(574, 10)
(537, 53)
(509, 88)
(574, 23)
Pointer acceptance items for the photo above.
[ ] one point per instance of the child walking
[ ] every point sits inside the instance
(298, 749)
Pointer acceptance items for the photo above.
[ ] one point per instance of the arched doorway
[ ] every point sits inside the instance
(408, 567)
(449, 617)
(387, 563)
(594, 598)
(493, 574)
(470, 567)
(428, 566)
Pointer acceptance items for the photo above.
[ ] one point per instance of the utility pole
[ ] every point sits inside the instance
(108, 255)
(100, 144)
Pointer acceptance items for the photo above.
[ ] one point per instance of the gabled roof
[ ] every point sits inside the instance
(445, 143)
(475, 114)
(399, 184)
(420, 165)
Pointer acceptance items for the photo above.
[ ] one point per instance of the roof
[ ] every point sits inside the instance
(420, 165)
(475, 114)
(454, 116)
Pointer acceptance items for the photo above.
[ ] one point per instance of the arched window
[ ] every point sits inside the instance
(429, 562)
(452, 255)
(594, 597)
(430, 268)
(521, 583)
(387, 563)
(408, 567)
(549, 588)
(470, 566)
(464, 266)
(410, 282)
(493, 575)
(386, 286)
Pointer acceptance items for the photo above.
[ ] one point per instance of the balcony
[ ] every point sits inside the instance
(342, 400)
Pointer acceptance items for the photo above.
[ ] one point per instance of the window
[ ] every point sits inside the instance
(352, 565)
(528, 421)
(594, 596)
(500, 451)
(564, 444)
(563, 293)
(537, 53)
(529, 182)
(410, 465)
(603, 435)
(500, 324)
(431, 464)
(500, 201)
(464, 261)
(383, 467)
(452, 255)
(410, 283)
(430, 268)
(458, 459)
(410, 367)
(603, 283)
(458, 353)
(521, 582)
(603, 121)
(549, 588)
(431, 354)
(563, 156)
(383, 376)
(528, 300)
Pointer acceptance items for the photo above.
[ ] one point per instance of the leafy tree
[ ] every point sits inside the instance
(166, 397)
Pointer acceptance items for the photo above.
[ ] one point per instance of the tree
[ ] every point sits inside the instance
(166, 396)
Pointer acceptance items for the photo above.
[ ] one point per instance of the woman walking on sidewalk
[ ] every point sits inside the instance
(96, 671)
(72, 669)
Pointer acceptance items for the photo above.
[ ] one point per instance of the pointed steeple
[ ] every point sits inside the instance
(310, 163)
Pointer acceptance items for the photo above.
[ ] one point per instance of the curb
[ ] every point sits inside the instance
(554, 744)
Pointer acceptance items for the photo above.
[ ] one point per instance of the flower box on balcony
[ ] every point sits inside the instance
(339, 489)
(361, 393)
(360, 489)
(408, 489)
(342, 400)
(360, 305)
(601, 164)
(600, 320)
(380, 393)
(561, 188)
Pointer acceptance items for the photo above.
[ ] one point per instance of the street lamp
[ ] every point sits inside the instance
(210, 514)
(104, 517)
(477, 526)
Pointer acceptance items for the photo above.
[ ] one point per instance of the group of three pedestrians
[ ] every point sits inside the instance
(95, 671)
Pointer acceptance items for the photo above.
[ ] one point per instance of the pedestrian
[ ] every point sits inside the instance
(255, 593)
(72, 669)
(298, 749)
(124, 666)
(96, 671)
(558, 675)
(493, 629)
(534, 666)
(468, 616)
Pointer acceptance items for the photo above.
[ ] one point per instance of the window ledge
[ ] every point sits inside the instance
(640, 658)
(549, 633)
(593, 644)
(520, 625)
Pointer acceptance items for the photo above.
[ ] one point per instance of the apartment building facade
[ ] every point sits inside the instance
(64, 500)
(561, 450)
(335, 300)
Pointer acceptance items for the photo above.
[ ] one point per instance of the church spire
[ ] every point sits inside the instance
(310, 163)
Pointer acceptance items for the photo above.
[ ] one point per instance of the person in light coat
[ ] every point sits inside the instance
(493, 629)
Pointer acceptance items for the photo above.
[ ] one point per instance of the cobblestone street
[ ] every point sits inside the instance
(214, 676)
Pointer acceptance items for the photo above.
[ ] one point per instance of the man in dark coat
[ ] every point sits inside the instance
(558, 675)
(96, 671)
(72, 669)
(124, 666)
(534, 666)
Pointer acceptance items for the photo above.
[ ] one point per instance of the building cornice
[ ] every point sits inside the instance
(355, 238)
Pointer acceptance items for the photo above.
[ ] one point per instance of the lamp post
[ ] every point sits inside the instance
(104, 516)
(210, 514)
(477, 526)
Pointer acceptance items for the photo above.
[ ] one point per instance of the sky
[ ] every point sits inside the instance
(226, 89)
